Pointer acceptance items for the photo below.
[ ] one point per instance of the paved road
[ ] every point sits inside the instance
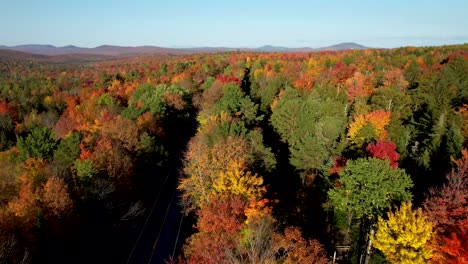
(158, 237)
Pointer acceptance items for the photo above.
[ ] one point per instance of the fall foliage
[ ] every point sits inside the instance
(403, 238)
(278, 157)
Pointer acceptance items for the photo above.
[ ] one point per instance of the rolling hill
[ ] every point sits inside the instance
(70, 53)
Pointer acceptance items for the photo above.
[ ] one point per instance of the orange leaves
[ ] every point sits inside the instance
(463, 112)
(56, 197)
(296, 249)
(257, 210)
(84, 152)
(305, 82)
(358, 85)
(378, 120)
(226, 195)
(123, 130)
(175, 100)
(148, 122)
(395, 78)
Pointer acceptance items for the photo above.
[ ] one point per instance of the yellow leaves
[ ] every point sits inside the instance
(235, 181)
(356, 126)
(204, 166)
(378, 119)
(404, 237)
(48, 101)
(221, 173)
(257, 73)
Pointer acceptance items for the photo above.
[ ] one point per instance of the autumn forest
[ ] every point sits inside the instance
(353, 156)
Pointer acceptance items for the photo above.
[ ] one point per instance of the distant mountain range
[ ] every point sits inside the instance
(70, 52)
(340, 46)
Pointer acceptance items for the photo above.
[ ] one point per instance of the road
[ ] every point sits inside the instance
(159, 234)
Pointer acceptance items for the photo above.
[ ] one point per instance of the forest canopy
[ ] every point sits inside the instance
(357, 155)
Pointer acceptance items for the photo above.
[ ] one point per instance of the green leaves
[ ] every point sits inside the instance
(85, 169)
(152, 99)
(40, 143)
(313, 127)
(68, 150)
(368, 187)
(236, 103)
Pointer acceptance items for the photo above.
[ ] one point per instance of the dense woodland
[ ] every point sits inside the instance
(278, 157)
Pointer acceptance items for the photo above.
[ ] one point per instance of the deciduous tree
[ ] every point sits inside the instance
(404, 237)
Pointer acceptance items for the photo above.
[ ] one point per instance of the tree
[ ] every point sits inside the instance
(312, 126)
(219, 224)
(366, 188)
(295, 249)
(368, 127)
(40, 143)
(236, 103)
(236, 181)
(384, 150)
(68, 149)
(404, 237)
(203, 166)
(447, 208)
(56, 197)
(358, 86)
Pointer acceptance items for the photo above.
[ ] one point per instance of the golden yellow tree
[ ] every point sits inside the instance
(203, 166)
(404, 237)
(378, 120)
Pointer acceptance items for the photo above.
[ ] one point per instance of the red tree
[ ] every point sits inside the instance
(447, 208)
(384, 150)
(219, 226)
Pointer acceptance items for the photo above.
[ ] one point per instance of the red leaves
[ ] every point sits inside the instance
(338, 164)
(5, 108)
(225, 79)
(456, 246)
(219, 225)
(341, 72)
(65, 125)
(447, 208)
(384, 150)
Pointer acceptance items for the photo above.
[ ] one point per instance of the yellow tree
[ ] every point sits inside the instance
(375, 121)
(404, 237)
(203, 166)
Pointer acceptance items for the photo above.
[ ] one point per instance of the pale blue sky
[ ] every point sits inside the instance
(233, 23)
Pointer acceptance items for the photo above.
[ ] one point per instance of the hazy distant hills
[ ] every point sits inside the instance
(340, 46)
(106, 50)
(74, 53)
(344, 46)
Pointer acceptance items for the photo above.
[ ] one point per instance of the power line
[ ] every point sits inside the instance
(178, 233)
(147, 218)
(155, 244)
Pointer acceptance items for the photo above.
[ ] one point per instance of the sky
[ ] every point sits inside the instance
(233, 23)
